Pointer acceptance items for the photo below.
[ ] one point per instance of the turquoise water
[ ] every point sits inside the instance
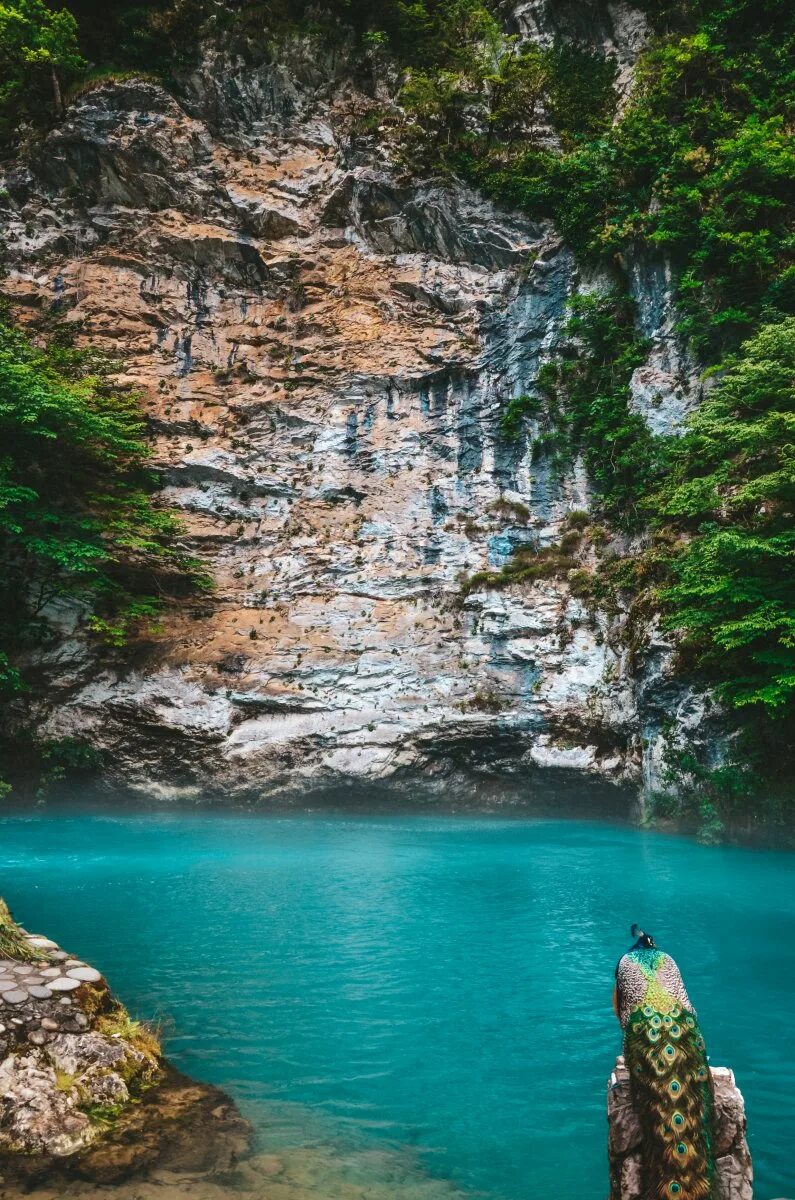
(434, 983)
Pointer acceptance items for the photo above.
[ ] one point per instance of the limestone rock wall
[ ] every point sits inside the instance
(733, 1159)
(324, 350)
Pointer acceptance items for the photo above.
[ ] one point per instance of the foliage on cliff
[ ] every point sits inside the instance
(716, 509)
(699, 165)
(720, 499)
(581, 405)
(722, 573)
(38, 54)
(699, 168)
(45, 52)
(731, 484)
(77, 514)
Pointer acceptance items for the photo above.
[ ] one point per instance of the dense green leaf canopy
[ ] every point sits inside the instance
(38, 52)
(732, 480)
(76, 511)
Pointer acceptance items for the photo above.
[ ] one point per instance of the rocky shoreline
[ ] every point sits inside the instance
(85, 1094)
(90, 1108)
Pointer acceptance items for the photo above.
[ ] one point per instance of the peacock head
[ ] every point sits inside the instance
(643, 941)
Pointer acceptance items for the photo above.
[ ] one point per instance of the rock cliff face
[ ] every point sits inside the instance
(324, 350)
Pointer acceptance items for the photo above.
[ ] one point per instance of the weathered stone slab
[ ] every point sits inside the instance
(63, 984)
(15, 996)
(39, 992)
(84, 974)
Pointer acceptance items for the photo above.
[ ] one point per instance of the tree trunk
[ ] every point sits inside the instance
(57, 98)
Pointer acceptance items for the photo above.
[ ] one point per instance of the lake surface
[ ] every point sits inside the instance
(422, 998)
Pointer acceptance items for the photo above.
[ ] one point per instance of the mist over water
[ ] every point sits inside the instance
(424, 998)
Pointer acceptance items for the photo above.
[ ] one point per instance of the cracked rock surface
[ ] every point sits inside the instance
(324, 349)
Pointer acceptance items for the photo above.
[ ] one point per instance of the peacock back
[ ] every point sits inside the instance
(669, 1076)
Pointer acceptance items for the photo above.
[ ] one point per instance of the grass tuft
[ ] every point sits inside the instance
(13, 943)
(138, 1034)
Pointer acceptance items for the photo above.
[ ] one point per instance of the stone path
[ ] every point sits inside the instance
(32, 993)
(59, 973)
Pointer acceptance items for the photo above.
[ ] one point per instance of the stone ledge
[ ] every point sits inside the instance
(733, 1158)
(178, 1126)
(84, 1090)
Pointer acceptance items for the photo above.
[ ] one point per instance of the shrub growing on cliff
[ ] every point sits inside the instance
(731, 487)
(76, 510)
(582, 405)
(77, 516)
(38, 55)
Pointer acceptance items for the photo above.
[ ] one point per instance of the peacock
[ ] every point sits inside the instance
(669, 1074)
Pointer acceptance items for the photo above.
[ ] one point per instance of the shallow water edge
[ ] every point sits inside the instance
(564, 795)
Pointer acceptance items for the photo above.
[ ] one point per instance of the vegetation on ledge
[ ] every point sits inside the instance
(78, 516)
(13, 943)
(697, 169)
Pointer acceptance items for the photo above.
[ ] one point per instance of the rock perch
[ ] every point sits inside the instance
(84, 1089)
(733, 1157)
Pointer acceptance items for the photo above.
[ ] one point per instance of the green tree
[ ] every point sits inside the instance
(731, 485)
(38, 55)
(77, 516)
(79, 522)
(516, 89)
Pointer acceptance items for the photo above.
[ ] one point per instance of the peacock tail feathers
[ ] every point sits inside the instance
(672, 1089)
